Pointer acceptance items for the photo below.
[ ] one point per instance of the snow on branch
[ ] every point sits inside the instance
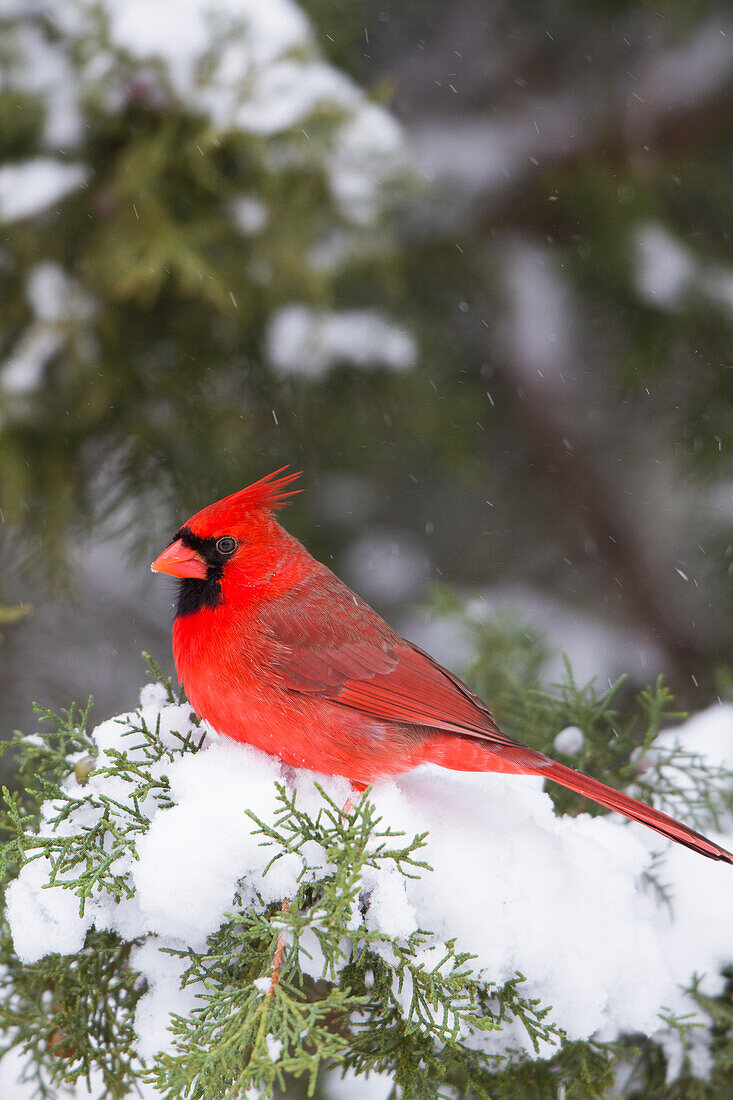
(441, 917)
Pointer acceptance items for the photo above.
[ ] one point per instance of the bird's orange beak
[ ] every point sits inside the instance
(179, 561)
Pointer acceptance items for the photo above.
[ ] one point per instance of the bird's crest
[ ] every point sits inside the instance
(269, 492)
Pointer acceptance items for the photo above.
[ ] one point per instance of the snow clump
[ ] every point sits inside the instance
(34, 185)
(310, 343)
(60, 307)
(570, 740)
(669, 274)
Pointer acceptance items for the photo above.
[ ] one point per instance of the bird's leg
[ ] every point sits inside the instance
(349, 805)
(277, 958)
(357, 789)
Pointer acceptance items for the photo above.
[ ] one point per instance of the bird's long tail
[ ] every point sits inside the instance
(637, 811)
(471, 754)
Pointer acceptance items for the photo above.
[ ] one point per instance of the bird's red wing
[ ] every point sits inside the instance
(332, 644)
(421, 693)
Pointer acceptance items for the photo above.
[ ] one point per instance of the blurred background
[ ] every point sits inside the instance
(467, 265)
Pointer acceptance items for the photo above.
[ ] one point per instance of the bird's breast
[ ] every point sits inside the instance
(234, 691)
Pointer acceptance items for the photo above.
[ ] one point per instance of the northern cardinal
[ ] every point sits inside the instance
(274, 650)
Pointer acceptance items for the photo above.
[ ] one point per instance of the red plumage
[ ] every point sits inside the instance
(269, 492)
(274, 650)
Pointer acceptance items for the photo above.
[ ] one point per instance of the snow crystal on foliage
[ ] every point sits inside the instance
(34, 185)
(54, 297)
(290, 90)
(371, 137)
(58, 304)
(570, 740)
(23, 370)
(303, 341)
(153, 695)
(274, 1047)
(249, 214)
(563, 900)
(668, 273)
(42, 68)
(665, 268)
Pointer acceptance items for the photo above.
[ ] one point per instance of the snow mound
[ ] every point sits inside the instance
(563, 900)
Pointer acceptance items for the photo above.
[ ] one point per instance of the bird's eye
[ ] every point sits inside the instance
(227, 545)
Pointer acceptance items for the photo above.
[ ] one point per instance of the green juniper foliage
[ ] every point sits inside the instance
(71, 1015)
(350, 997)
(619, 727)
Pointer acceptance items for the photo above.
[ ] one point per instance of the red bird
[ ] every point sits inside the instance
(274, 650)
